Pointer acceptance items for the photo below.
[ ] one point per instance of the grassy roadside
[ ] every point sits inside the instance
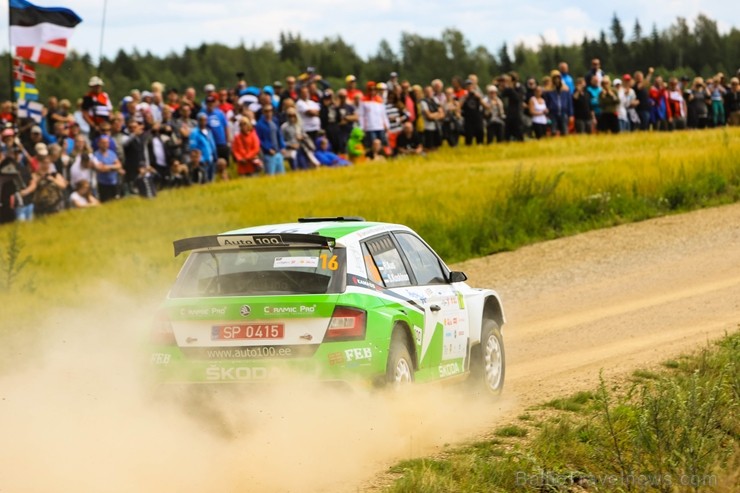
(675, 429)
(465, 202)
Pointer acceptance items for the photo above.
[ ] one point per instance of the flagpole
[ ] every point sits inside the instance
(10, 61)
(102, 32)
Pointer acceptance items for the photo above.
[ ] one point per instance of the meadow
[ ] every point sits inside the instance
(466, 202)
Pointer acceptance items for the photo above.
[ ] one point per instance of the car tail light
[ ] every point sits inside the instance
(162, 332)
(346, 324)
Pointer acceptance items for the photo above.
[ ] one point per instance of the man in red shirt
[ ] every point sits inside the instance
(96, 106)
(351, 86)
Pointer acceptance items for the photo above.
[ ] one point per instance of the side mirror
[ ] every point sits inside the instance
(457, 276)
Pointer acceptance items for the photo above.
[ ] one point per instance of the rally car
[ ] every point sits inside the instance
(340, 298)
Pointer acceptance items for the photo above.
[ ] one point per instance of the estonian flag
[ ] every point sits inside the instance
(40, 33)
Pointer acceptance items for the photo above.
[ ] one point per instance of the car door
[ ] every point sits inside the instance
(446, 325)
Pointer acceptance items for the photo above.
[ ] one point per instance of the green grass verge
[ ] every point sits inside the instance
(675, 430)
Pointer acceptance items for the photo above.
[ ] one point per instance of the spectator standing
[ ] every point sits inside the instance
(559, 101)
(452, 124)
(566, 77)
(698, 99)
(513, 104)
(159, 153)
(642, 92)
(495, 115)
(472, 113)
(393, 82)
(595, 72)
(202, 139)
(219, 126)
(271, 141)
(373, 119)
(297, 144)
(593, 89)
(538, 112)
(716, 95)
(350, 85)
(246, 149)
(329, 116)
(661, 110)
(83, 165)
(109, 169)
(677, 104)
(582, 112)
(397, 116)
(48, 187)
(609, 104)
(309, 113)
(348, 118)
(432, 116)
(732, 102)
(134, 147)
(290, 91)
(96, 106)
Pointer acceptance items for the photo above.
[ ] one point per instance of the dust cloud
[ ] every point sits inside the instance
(77, 414)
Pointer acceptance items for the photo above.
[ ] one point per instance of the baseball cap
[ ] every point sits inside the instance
(41, 149)
(555, 73)
(370, 84)
(277, 83)
(468, 82)
(626, 77)
(8, 132)
(35, 129)
(209, 88)
(394, 74)
(146, 94)
(95, 81)
(617, 82)
(381, 86)
(350, 78)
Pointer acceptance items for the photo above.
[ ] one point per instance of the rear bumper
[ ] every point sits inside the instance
(353, 362)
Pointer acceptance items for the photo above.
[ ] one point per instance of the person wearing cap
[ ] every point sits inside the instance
(350, 85)
(628, 120)
(219, 125)
(559, 104)
(382, 89)
(373, 118)
(96, 106)
(392, 82)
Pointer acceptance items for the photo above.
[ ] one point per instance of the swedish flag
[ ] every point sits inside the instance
(24, 90)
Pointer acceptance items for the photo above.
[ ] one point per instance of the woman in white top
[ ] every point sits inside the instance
(83, 196)
(538, 111)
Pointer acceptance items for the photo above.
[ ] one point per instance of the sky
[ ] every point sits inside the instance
(166, 26)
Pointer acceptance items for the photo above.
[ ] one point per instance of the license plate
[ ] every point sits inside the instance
(247, 331)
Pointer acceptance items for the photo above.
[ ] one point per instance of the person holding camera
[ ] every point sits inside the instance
(697, 104)
(472, 112)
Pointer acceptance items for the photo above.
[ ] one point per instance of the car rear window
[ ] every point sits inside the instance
(262, 271)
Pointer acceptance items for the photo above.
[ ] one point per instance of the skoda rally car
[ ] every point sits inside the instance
(338, 298)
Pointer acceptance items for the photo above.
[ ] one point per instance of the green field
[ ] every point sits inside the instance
(466, 202)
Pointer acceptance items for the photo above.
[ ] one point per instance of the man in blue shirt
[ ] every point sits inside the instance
(271, 141)
(566, 77)
(201, 138)
(219, 125)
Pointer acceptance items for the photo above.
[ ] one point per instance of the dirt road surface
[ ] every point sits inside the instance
(615, 300)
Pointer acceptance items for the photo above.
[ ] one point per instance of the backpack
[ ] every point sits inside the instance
(49, 198)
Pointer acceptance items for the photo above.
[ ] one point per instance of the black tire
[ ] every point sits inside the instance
(488, 360)
(400, 369)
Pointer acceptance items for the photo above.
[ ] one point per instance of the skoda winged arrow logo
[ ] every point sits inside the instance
(245, 310)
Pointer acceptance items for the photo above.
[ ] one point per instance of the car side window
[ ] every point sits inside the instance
(388, 262)
(424, 262)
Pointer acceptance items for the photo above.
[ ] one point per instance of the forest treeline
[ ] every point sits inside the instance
(680, 49)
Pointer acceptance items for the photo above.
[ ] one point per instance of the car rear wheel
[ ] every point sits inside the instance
(400, 369)
(488, 363)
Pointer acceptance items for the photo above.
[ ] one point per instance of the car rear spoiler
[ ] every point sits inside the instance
(254, 240)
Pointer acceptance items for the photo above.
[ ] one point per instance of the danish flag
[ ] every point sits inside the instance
(23, 71)
(50, 53)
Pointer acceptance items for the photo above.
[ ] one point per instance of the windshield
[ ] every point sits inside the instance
(262, 271)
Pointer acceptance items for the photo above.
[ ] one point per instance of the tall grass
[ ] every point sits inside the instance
(466, 202)
(677, 432)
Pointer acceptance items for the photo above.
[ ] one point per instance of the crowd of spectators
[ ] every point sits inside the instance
(98, 150)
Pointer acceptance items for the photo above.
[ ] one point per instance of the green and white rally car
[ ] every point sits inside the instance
(339, 298)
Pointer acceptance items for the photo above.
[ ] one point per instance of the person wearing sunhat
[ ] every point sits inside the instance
(96, 106)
